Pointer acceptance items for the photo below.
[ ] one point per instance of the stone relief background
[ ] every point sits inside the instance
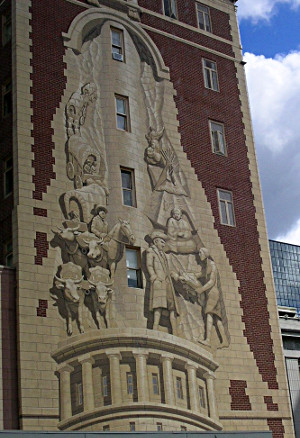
(182, 286)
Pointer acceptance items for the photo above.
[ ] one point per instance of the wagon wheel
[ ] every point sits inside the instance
(78, 182)
(70, 170)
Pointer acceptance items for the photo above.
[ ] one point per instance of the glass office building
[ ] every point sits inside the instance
(286, 270)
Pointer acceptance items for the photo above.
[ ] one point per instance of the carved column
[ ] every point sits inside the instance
(168, 379)
(65, 391)
(141, 376)
(115, 377)
(87, 382)
(211, 395)
(193, 387)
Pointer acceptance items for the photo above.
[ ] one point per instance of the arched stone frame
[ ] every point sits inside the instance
(87, 20)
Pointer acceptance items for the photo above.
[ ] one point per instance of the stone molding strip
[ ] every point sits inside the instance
(113, 412)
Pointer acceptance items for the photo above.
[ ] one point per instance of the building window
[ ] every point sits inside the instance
(183, 428)
(159, 426)
(210, 75)
(203, 17)
(217, 138)
(6, 99)
(132, 427)
(134, 271)
(226, 207)
(202, 397)
(170, 8)
(117, 44)
(128, 187)
(6, 28)
(155, 384)
(8, 177)
(79, 394)
(106, 428)
(105, 386)
(122, 108)
(179, 390)
(129, 383)
(8, 253)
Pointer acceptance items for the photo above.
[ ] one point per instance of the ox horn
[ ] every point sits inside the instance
(78, 281)
(92, 283)
(60, 279)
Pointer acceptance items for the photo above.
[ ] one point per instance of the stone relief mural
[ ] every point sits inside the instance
(183, 288)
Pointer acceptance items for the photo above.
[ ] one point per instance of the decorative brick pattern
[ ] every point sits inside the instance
(40, 212)
(48, 83)
(276, 426)
(41, 244)
(239, 399)
(271, 406)
(41, 310)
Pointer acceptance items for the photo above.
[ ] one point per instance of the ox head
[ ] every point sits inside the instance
(103, 293)
(67, 234)
(70, 288)
(126, 230)
(94, 249)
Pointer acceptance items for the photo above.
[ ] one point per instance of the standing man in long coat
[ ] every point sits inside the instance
(162, 294)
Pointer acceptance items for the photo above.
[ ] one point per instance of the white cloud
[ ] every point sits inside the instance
(261, 9)
(274, 88)
(274, 93)
(292, 236)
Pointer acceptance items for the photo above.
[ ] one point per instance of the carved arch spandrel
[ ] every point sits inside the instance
(88, 20)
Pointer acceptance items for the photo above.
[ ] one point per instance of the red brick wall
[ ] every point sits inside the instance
(48, 81)
(187, 14)
(9, 349)
(239, 399)
(5, 142)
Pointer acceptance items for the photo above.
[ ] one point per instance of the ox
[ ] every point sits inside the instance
(74, 299)
(71, 250)
(101, 298)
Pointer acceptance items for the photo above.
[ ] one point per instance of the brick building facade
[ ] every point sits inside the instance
(144, 288)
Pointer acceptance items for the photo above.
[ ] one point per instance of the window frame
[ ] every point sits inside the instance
(6, 18)
(130, 385)
(104, 386)
(6, 172)
(121, 47)
(4, 93)
(202, 397)
(203, 13)
(210, 70)
(175, 17)
(215, 151)
(125, 115)
(133, 186)
(159, 427)
(132, 426)
(155, 385)
(79, 394)
(138, 270)
(179, 388)
(226, 208)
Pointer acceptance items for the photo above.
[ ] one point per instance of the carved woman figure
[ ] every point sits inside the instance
(206, 282)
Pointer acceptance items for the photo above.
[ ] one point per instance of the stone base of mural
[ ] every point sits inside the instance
(103, 377)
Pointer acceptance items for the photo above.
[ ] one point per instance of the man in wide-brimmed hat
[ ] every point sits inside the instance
(99, 225)
(162, 294)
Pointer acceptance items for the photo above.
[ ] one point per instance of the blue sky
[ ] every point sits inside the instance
(270, 33)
